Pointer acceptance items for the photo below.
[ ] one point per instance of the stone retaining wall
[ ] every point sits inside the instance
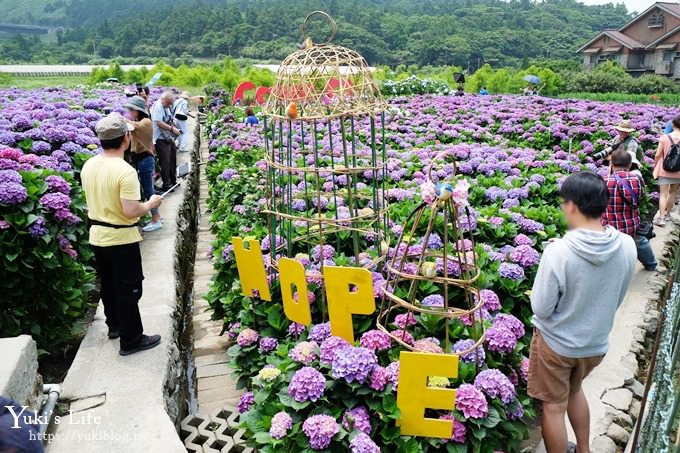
(623, 404)
(177, 391)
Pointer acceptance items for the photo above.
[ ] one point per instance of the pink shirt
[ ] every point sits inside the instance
(664, 146)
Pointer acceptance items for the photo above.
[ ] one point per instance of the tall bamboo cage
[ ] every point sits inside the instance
(325, 156)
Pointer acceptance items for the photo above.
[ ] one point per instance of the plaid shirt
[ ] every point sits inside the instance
(623, 212)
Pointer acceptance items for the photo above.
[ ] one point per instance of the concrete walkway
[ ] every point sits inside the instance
(603, 387)
(119, 403)
(215, 385)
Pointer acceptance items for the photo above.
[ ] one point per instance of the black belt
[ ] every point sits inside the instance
(110, 225)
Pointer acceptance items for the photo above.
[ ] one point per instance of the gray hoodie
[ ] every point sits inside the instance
(581, 281)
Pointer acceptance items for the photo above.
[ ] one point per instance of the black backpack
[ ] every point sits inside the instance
(671, 163)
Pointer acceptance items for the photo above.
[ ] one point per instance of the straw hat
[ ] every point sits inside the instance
(185, 95)
(624, 126)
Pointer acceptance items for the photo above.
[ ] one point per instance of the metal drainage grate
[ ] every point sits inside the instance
(217, 432)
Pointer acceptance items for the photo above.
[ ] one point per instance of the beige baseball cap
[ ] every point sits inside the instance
(112, 126)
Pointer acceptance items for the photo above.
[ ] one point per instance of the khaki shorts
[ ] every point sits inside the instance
(552, 377)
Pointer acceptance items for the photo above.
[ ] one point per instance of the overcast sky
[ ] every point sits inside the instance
(632, 5)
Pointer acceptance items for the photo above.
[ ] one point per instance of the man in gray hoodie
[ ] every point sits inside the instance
(581, 281)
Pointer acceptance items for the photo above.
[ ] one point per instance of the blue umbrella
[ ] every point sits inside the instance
(532, 79)
(156, 77)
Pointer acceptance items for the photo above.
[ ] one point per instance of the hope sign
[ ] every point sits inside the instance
(349, 290)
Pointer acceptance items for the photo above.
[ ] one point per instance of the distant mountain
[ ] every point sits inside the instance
(77, 13)
(465, 33)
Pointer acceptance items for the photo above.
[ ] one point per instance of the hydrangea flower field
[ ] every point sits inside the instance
(45, 137)
(307, 390)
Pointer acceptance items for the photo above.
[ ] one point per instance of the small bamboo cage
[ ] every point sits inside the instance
(443, 264)
(325, 155)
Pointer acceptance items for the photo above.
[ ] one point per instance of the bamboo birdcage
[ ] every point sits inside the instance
(451, 269)
(325, 163)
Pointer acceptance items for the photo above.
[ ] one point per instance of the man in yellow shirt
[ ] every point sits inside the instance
(113, 199)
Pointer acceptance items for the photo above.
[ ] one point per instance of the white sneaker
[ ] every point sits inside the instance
(152, 226)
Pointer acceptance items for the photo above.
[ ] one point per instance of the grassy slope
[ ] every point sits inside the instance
(29, 83)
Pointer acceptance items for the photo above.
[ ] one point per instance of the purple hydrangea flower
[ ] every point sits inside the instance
(404, 320)
(362, 443)
(323, 254)
(40, 147)
(295, 329)
(4, 225)
(516, 412)
(427, 346)
(55, 201)
(246, 401)
(458, 430)
(281, 424)
(353, 364)
(523, 239)
(511, 323)
(320, 332)
(12, 176)
(38, 228)
(511, 271)
(525, 256)
(307, 384)
(469, 357)
(376, 340)
(403, 336)
(233, 330)
(12, 193)
(471, 401)
(495, 384)
(524, 369)
(379, 378)
(58, 184)
(490, 299)
(320, 430)
(66, 247)
(358, 419)
(500, 339)
(247, 337)
(268, 344)
(531, 226)
(304, 352)
(330, 347)
(433, 301)
(393, 374)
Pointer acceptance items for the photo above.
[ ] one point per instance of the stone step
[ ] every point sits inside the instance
(211, 359)
(222, 381)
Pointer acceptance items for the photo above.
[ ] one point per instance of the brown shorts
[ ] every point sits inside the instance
(552, 377)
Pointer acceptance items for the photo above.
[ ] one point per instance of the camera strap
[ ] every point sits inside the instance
(627, 185)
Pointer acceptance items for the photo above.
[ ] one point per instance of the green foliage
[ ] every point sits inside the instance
(512, 81)
(5, 79)
(610, 77)
(437, 32)
(228, 75)
(48, 287)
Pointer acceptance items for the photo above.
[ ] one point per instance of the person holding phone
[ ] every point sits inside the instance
(142, 154)
(112, 193)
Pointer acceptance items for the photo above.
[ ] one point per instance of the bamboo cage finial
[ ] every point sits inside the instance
(324, 81)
